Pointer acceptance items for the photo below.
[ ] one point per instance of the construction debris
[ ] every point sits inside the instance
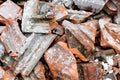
(94, 5)
(10, 10)
(90, 71)
(33, 51)
(78, 16)
(60, 40)
(62, 66)
(11, 37)
(80, 35)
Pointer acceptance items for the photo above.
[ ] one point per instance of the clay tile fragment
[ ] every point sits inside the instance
(38, 14)
(78, 16)
(60, 12)
(114, 30)
(106, 39)
(79, 35)
(94, 5)
(5, 75)
(33, 50)
(12, 38)
(56, 12)
(89, 31)
(75, 51)
(73, 42)
(90, 71)
(35, 20)
(76, 47)
(61, 62)
(111, 8)
(10, 10)
(93, 25)
(39, 71)
(80, 55)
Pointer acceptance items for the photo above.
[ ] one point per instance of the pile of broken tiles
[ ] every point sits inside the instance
(60, 40)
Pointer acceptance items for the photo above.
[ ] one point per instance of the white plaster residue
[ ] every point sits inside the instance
(108, 79)
(109, 59)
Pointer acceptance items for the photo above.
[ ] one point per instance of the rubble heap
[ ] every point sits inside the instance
(60, 40)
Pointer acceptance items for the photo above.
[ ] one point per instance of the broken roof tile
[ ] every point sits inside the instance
(94, 5)
(33, 52)
(32, 20)
(12, 38)
(61, 62)
(90, 71)
(106, 39)
(78, 16)
(60, 12)
(73, 42)
(114, 30)
(39, 71)
(10, 10)
(110, 8)
(5, 75)
(80, 35)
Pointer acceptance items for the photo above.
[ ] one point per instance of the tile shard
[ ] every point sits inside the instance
(89, 31)
(78, 16)
(106, 39)
(32, 21)
(26, 44)
(94, 5)
(37, 46)
(73, 42)
(90, 71)
(61, 62)
(80, 35)
(37, 16)
(10, 10)
(60, 13)
(12, 38)
(39, 71)
(6, 75)
(114, 30)
(110, 8)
